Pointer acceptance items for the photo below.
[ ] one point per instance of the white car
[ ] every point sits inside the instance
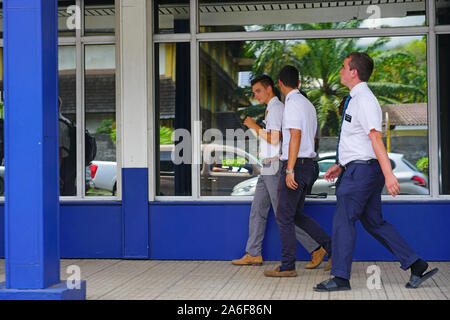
(411, 180)
(218, 177)
(104, 175)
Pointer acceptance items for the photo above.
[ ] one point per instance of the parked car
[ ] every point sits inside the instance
(411, 180)
(104, 175)
(218, 176)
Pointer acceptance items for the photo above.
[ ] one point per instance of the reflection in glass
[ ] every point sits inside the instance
(444, 108)
(99, 17)
(442, 12)
(67, 21)
(173, 113)
(254, 15)
(171, 16)
(100, 119)
(67, 120)
(399, 81)
(2, 135)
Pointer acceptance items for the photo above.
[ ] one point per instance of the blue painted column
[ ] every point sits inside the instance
(32, 153)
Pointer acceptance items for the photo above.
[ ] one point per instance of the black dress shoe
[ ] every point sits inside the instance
(330, 285)
(415, 281)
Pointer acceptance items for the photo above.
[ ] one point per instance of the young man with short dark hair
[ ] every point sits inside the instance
(266, 187)
(297, 172)
(363, 167)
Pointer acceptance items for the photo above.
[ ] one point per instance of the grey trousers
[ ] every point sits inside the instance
(266, 194)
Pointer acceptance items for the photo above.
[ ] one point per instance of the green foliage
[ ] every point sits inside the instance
(108, 126)
(422, 165)
(165, 135)
(399, 75)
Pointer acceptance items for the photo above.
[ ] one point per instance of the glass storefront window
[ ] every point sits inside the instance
(100, 119)
(399, 81)
(444, 111)
(173, 114)
(171, 16)
(67, 18)
(67, 120)
(442, 11)
(232, 15)
(99, 17)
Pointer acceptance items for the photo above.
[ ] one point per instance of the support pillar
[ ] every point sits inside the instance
(134, 45)
(32, 154)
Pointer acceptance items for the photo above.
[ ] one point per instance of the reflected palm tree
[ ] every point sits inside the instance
(319, 62)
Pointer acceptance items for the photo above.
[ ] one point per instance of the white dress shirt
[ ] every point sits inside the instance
(273, 121)
(362, 115)
(299, 113)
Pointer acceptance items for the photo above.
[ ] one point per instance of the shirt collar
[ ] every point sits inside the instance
(358, 88)
(272, 101)
(295, 91)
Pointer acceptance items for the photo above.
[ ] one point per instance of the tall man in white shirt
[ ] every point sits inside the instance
(297, 172)
(363, 167)
(266, 187)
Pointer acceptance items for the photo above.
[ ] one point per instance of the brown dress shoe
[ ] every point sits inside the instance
(329, 265)
(277, 273)
(316, 258)
(248, 260)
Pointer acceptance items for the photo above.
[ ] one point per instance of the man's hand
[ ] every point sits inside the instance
(249, 122)
(333, 172)
(392, 185)
(290, 181)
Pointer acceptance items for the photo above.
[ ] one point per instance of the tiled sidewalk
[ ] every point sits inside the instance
(219, 280)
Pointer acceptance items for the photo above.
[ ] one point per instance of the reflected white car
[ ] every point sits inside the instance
(411, 180)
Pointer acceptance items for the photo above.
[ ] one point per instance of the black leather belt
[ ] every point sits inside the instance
(360, 162)
(300, 160)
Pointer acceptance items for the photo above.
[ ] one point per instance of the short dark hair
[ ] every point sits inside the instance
(266, 81)
(362, 63)
(289, 75)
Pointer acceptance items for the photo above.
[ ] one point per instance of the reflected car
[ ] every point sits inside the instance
(224, 167)
(412, 181)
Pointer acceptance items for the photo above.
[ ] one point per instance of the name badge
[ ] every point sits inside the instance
(348, 117)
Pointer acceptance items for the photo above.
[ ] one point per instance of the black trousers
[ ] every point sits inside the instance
(290, 213)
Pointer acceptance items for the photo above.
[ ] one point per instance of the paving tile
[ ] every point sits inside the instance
(219, 280)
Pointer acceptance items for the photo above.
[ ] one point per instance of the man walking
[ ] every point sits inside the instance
(363, 167)
(297, 172)
(266, 187)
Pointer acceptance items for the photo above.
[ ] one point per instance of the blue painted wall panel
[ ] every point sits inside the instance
(91, 230)
(219, 231)
(135, 213)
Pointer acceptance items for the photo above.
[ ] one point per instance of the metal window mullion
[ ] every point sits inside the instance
(176, 37)
(79, 105)
(195, 109)
(311, 34)
(98, 39)
(433, 121)
(66, 41)
(151, 117)
(444, 29)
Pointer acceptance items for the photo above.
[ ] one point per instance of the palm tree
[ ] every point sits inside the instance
(319, 62)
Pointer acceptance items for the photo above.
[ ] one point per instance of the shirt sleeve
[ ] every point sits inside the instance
(370, 115)
(274, 118)
(293, 118)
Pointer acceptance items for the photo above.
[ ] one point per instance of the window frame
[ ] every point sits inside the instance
(195, 37)
(80, 41)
